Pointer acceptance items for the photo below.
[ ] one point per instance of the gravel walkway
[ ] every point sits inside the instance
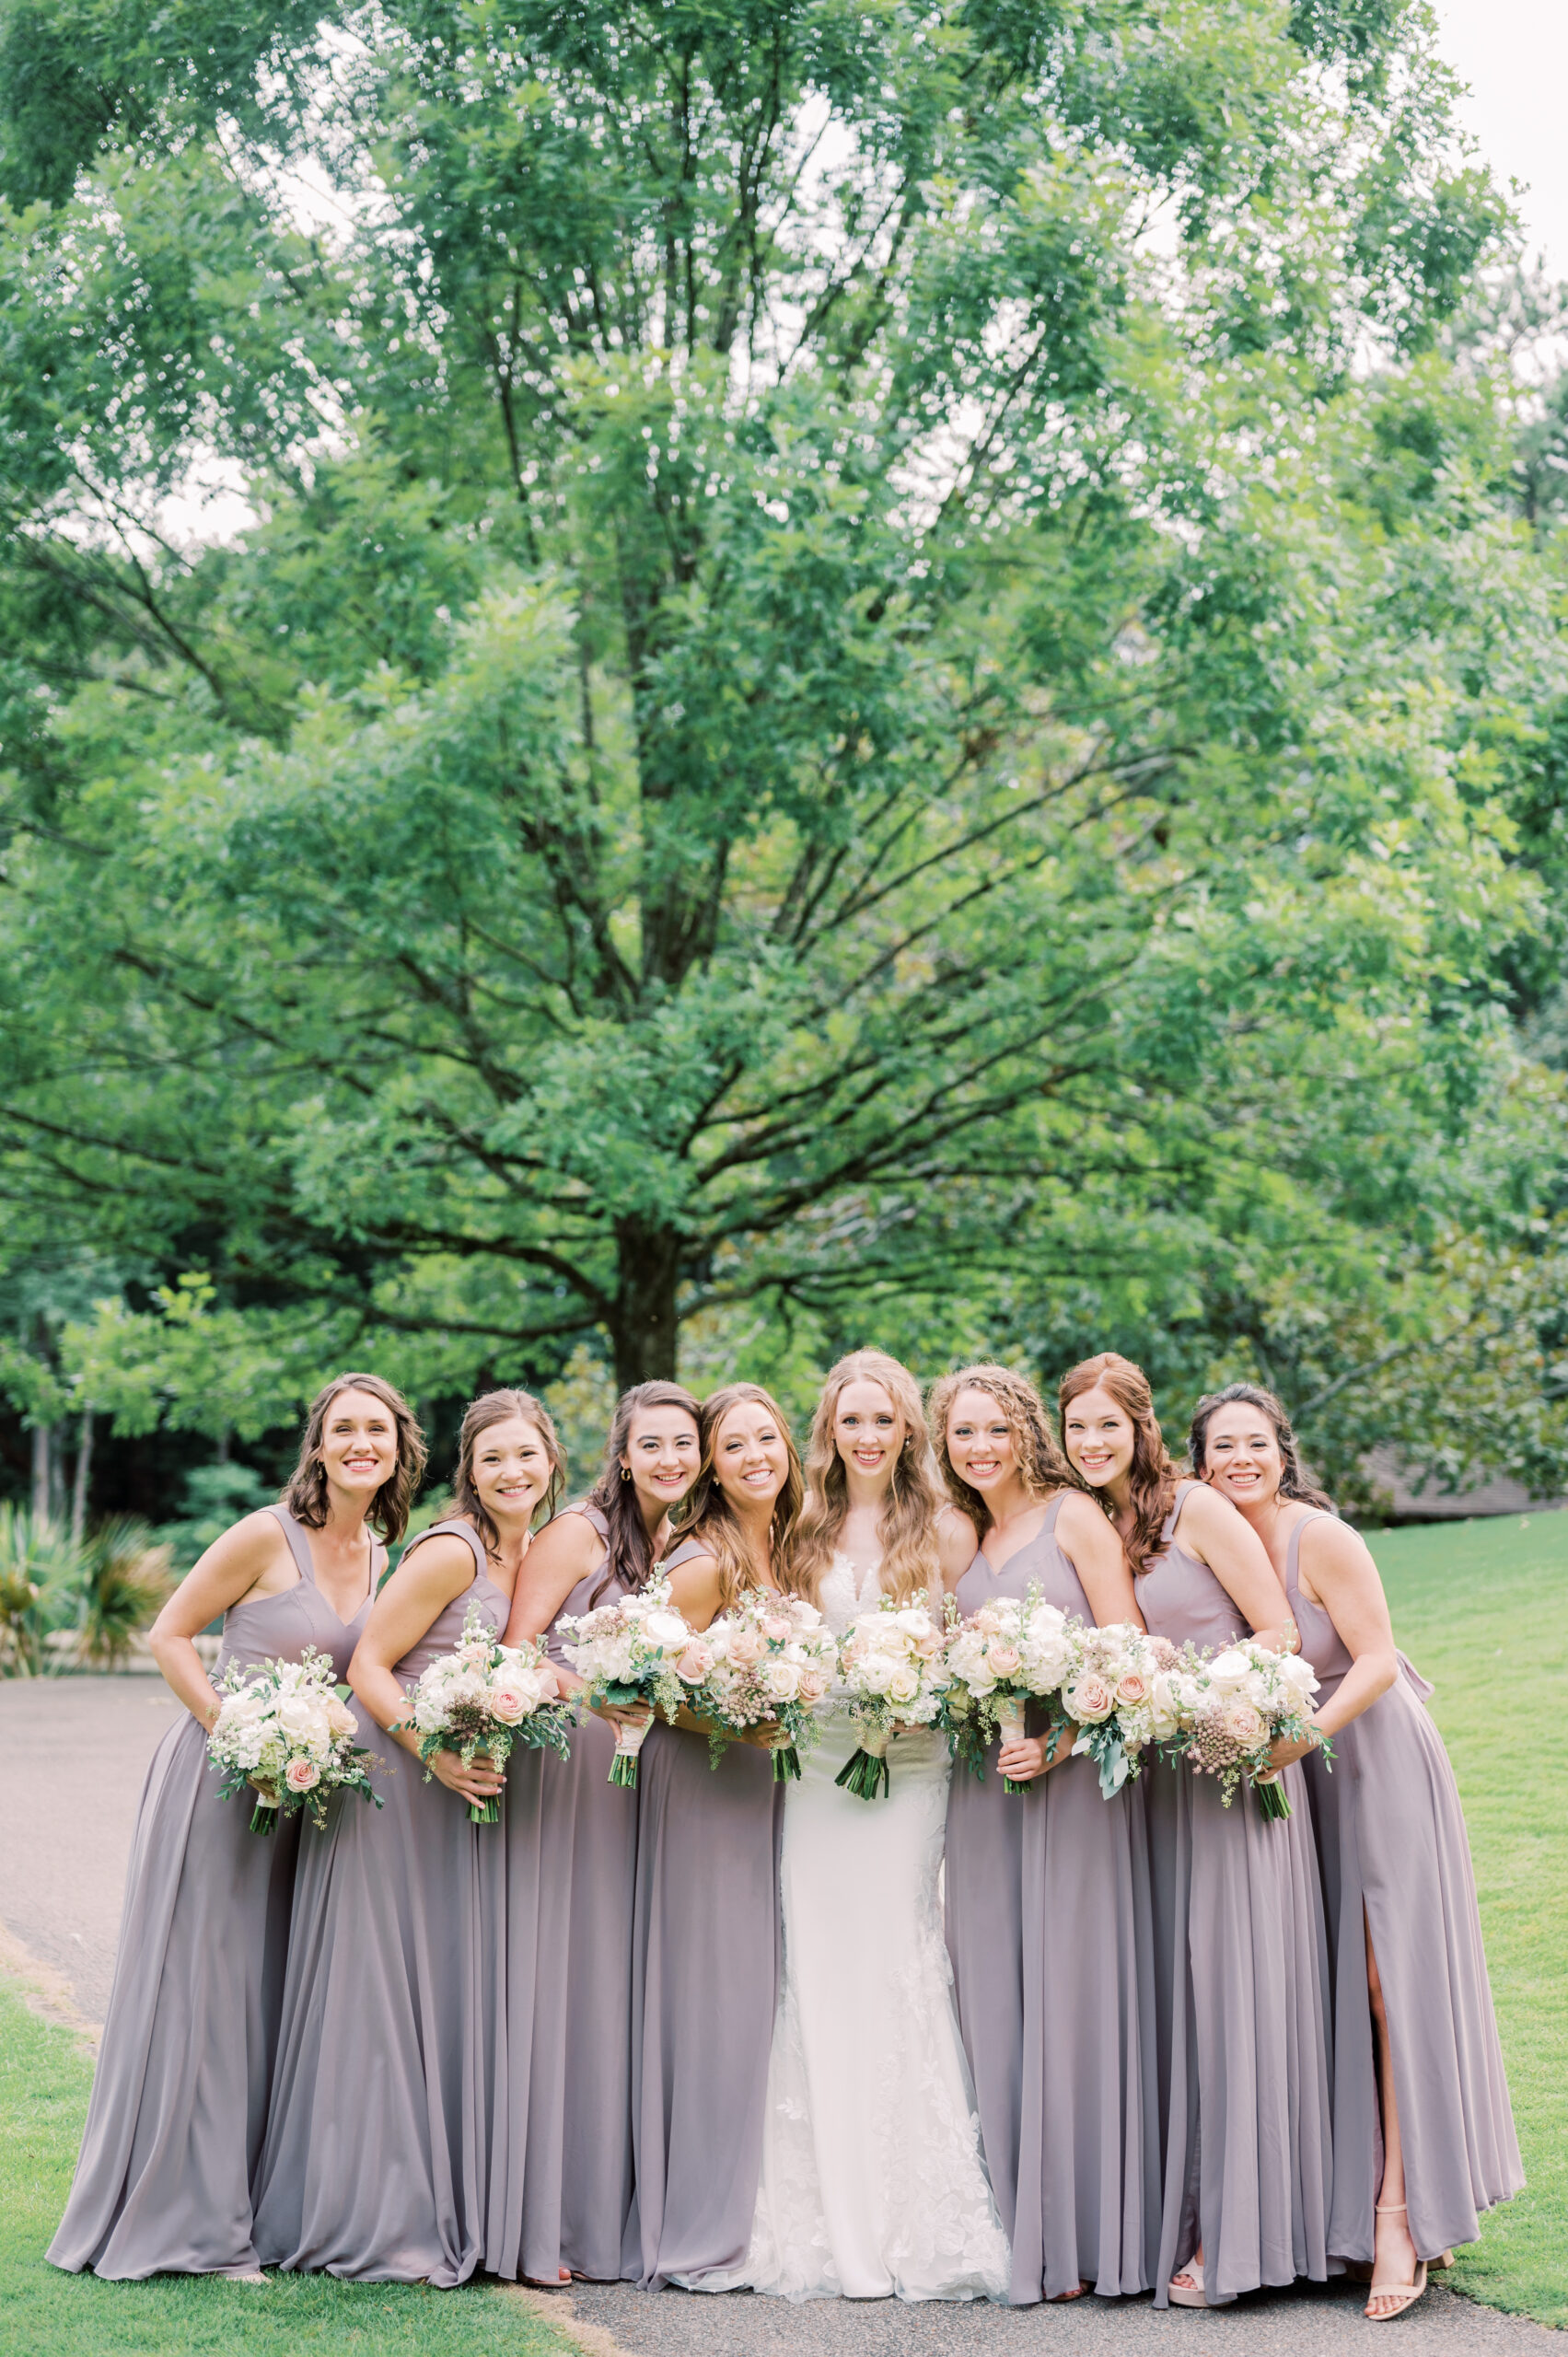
(74, 1752)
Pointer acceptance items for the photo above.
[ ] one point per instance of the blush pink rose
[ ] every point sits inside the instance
(1133, 1688)
(814, 1684)
(302, 1775)
(1090, 1700)
(508, 1705)
(549, 1683)
(693, 1666)
(1003, 1659)
(774, 1628)
(746, 1647)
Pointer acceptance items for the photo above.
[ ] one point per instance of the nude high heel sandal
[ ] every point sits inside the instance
(1407, 2295)
(1189, 2295)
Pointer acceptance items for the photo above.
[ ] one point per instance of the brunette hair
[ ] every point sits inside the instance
(1152, 1479)
(500, 1408)
(1034, 1444)
(630, 1556)
(1293, 1481)
(706, 1514)
(907, 1525)
(306, 1496)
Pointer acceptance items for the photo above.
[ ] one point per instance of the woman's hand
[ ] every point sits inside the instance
(623, 1714)
(767, 1735)
(1022, 1762)
(481, 1781)
(1284, 1754)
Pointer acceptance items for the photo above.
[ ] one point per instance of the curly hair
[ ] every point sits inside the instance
(1041, 1462)
(1152, 1479)
(910, 1563)
(306, 1494)
(501, 1408)
(706, 1514)
(630, 1556)
(1293, 1481)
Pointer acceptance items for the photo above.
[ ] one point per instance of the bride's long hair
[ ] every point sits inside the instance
(911, 1562)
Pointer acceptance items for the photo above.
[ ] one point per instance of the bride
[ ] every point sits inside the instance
(872, 2181)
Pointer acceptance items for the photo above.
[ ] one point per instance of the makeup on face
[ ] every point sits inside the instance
(751, 1459)
(1099, 1438)
(979, 1441)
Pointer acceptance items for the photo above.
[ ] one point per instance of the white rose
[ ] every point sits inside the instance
(665, 1629)
(904, 1685)
(1164, 1709)
(782, 1679)
(1230, 1669)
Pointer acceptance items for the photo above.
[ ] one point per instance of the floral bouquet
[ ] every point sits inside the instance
(1119, 1694)
(892, 1663)
(773, 1657)
(484, 1696)
(1013, 1651)
(1234, 1706)
(285, 1727)
(639, 1649)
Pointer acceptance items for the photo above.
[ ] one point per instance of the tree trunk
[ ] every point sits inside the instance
(42, 1436)
(644, 1328)
(83, 1477)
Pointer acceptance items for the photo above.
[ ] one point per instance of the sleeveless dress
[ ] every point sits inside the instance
(1088, 2200)
(1395, 1855)
(704, 1988)
(180, 2098)
(376, 2156)
(561, 2175)
(872, 2181)
(1241, 1976)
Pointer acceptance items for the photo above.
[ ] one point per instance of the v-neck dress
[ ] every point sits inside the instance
(1049, 1925)
(561, 2175)
(1241, 1979)
(180, 2101)
(705, 1965)
(1396, 1856)
(377, 2152)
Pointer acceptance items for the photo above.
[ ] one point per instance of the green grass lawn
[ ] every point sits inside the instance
(1481, 1608)
(1471, 1602)
(44, 2078)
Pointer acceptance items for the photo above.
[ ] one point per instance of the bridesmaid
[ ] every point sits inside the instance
(1049, 1911)
(376, 2158)
(561, 2185)
(178, 2107)
(1240, 1957)
(706, 1936)
(1424, 2141)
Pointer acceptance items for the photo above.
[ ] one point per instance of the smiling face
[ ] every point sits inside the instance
(750, 1459)
(511, 1470)
(1241, 1454)
(980, 1447)
(868, 1431)
(359, 1443)
(1099, 1437)
(662, 1454)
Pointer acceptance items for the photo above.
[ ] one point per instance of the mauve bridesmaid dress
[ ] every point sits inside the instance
(561, 2175)
(1241, 1974)
(377, 2158)
(1395, 1855)
(705, 1960)
(1050, 1926)
(179, 2108)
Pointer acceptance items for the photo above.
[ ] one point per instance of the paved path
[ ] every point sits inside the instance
(72, 1754)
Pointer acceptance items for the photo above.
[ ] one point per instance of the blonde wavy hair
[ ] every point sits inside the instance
(910, 1563)
(1040, 1461)
(705, 1514)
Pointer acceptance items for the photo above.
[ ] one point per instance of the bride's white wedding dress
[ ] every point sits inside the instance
(872, 2179)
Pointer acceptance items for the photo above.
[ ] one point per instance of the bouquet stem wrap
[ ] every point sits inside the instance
(628, 1742)
(1270, 1789)
(1010, 1729)
(865, 1773)
(264, 1815)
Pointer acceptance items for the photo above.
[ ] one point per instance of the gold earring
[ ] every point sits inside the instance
(626, 1472)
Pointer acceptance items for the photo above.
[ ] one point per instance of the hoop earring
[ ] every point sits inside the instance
(626, 1472)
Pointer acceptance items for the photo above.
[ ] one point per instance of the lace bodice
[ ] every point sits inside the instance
(845, 1593)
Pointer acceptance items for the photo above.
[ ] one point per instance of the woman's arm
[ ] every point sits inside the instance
(231, 1568)
(1337, 1572)
(1211, 1529)
(1089, 1539)
(425, 1583)
(563, 1552)
(956, 1545)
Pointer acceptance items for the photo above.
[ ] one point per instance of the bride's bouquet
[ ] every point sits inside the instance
(892, 1663)
(637, 1649)
(1233, 1706)
(1014, 1650)
(772, 1657)
(484, 1696)
(285, 1727)
(1120, 1696)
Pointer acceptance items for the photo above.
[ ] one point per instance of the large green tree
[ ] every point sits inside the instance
(879, 673)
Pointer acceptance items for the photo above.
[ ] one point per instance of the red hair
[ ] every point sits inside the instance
(1152, 1480)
